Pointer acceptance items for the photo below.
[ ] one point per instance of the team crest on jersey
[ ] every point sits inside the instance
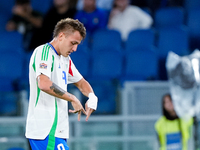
(43, 66)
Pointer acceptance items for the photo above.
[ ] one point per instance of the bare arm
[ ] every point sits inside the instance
(86, 89)
(35, 21)
(113, 13)
(46, 85)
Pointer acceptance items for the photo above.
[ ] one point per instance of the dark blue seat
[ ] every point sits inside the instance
(106, 39)
(3, 21)
(11, 39)
(27, 57)
(11, 67)
(8, 103)
(140, 65)
(106, 64)
(169, 17)
(173, 39)
(17, 49)
(106, 68)
(140, 38)
(6, 7)
(193, 23)
(191, 4)
(24, 82)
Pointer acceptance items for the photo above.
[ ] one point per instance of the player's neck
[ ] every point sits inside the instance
(55, 45)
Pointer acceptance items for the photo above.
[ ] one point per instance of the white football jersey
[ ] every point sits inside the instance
(48, 114)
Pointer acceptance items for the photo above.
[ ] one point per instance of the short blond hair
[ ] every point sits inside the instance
(69, 25)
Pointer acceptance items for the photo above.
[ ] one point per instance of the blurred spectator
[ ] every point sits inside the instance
(125, 18)
(104, 4)
(91, 16)
(25, 20)
(173, 133)
(61, 9)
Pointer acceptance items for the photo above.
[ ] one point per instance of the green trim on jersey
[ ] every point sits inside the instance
(38, 89)
(45, 52)
(51, 141)
(34, 68)
(52, 63)
(38, 94)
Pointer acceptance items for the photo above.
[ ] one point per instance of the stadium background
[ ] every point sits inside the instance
(129, 79)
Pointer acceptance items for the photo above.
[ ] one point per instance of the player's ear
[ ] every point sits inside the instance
(61, 35)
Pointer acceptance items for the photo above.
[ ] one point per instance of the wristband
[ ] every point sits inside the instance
(92, 101)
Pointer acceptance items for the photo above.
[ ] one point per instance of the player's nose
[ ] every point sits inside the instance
(74, 48)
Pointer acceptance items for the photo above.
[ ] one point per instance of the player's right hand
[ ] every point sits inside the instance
(78, 108)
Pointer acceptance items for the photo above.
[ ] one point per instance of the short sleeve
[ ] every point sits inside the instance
(43, 61)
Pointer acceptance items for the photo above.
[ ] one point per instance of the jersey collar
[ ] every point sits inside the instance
(52, 48)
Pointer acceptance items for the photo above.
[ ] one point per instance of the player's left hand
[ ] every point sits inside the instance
(91, 105)
(89, 111)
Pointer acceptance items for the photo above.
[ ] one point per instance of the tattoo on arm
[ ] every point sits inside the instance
(57, 89)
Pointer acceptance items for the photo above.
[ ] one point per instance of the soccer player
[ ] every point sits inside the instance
(50, 70)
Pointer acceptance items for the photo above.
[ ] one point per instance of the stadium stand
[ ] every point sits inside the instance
(140, 65)
(169, 17)
(140, 38)
(106, 39)
(193, 23)
(103, 61)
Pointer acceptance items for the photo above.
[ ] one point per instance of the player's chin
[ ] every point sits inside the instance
(67, 54)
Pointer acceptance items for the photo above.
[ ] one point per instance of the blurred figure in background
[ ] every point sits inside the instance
(91, 16)
(61, 9)
(104, 4)
(125, 18)
(25, 20)
(173, 133)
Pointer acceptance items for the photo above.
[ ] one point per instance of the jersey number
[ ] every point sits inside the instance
(61, 147)
(64, 77)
